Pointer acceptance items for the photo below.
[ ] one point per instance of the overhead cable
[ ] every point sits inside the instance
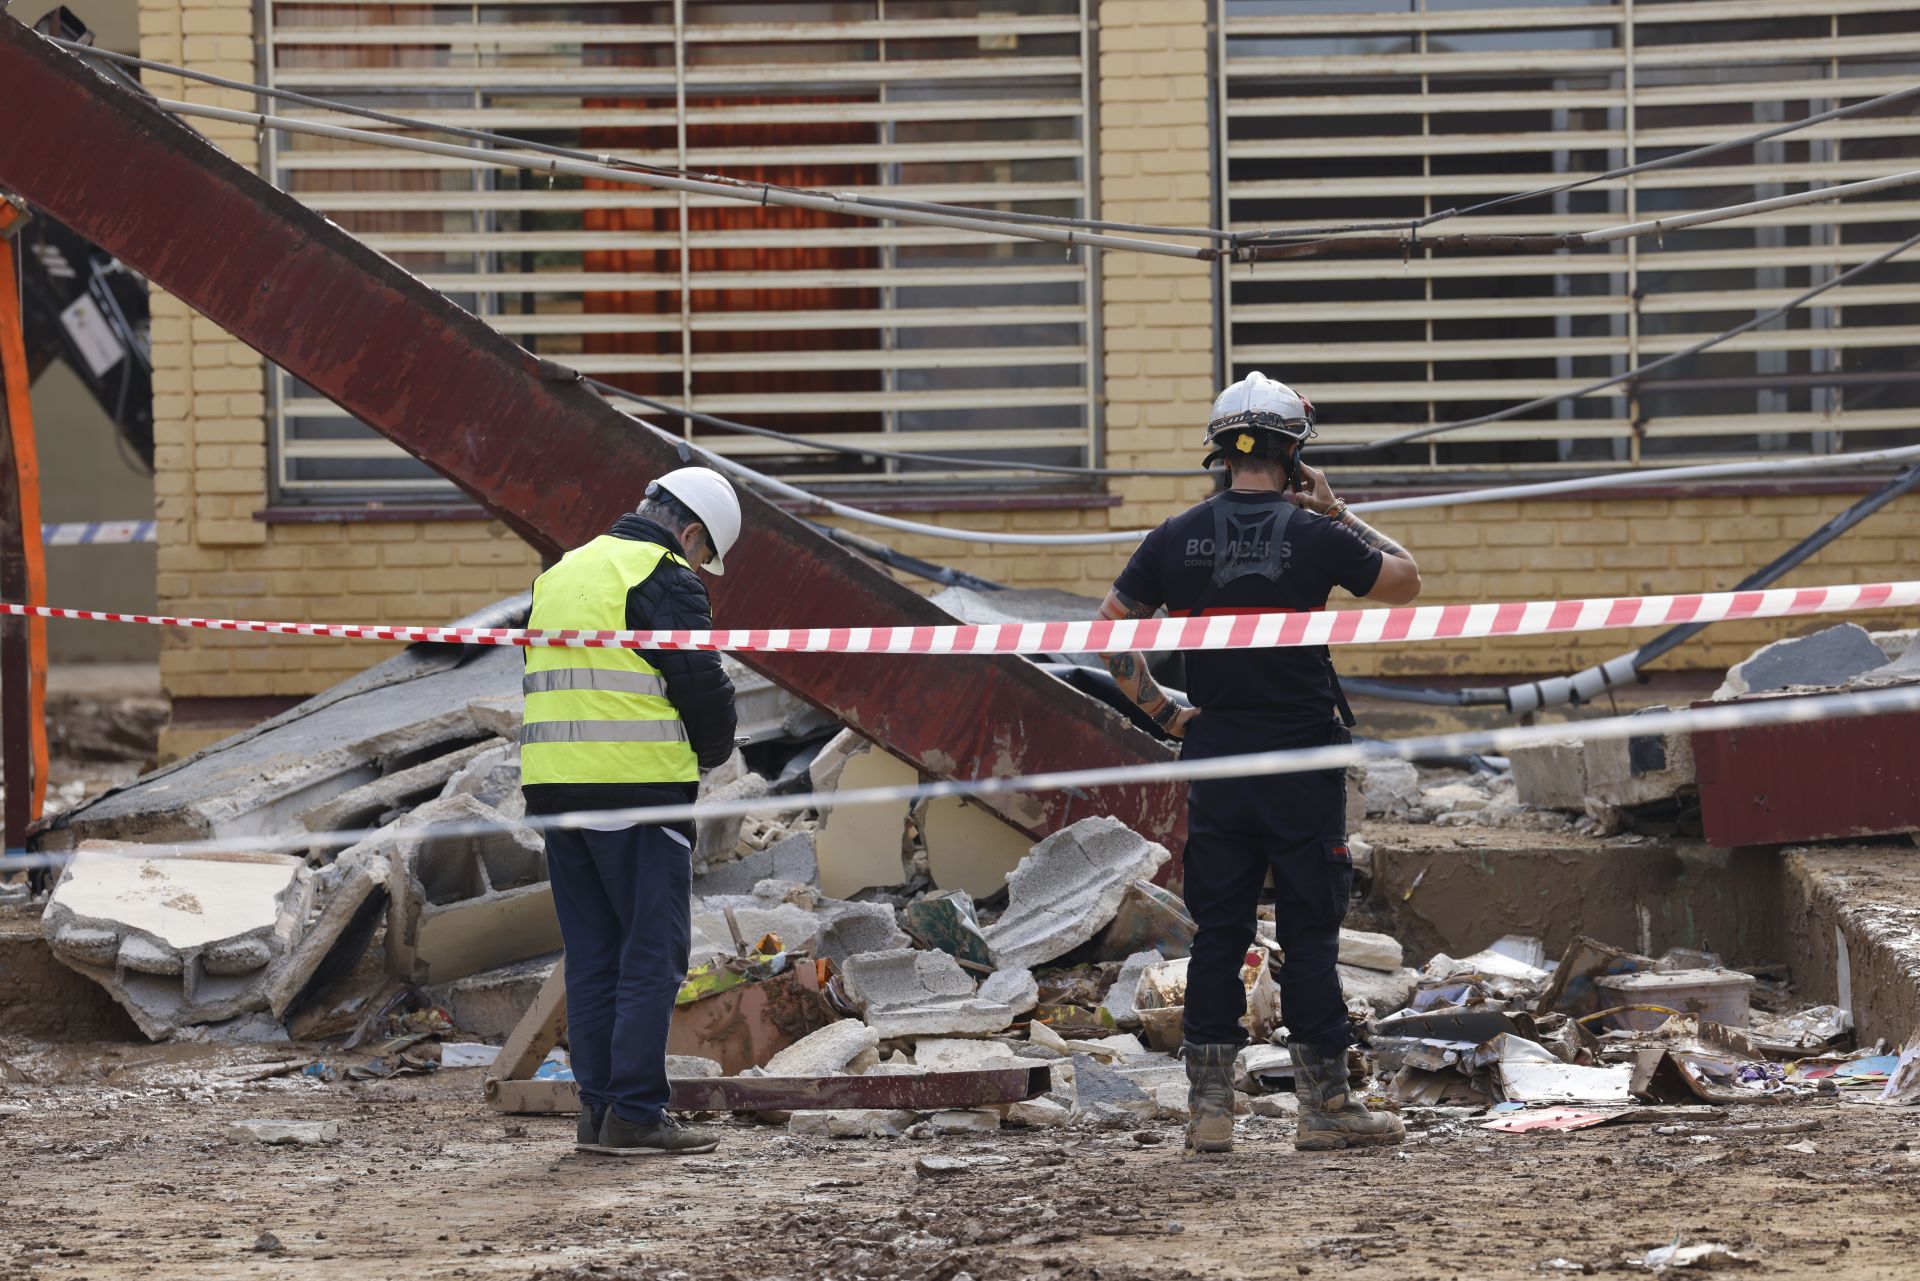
(1644, 166)
(1506, 243)
(729, 189)
(863, 451)
(1638, 371)
(573, 153)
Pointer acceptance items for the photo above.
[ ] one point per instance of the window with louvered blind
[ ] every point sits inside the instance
(856, 331)
(1344, 110)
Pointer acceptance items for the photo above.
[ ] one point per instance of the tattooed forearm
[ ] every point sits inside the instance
(1130, 670)
(1373, 537)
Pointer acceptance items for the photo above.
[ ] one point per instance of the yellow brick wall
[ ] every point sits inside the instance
(1153, 90)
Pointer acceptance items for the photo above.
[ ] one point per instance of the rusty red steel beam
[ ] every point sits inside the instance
(523, 436)
(926, 1092)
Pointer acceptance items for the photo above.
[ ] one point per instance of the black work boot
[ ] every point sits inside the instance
(1210, 1096)
(588, 1134)
(665, 1137)
(1330, 1117)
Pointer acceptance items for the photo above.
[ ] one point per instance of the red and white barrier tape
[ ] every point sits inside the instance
(1102, 636)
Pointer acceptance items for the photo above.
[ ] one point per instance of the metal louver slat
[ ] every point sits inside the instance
(1331, 116)
(834, 327)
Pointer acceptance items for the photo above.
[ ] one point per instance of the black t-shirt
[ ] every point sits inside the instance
(1248, 553)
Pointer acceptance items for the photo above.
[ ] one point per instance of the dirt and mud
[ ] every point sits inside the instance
(117, 1164)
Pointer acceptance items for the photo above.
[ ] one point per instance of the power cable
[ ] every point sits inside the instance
(1639, 371)
(859, 451)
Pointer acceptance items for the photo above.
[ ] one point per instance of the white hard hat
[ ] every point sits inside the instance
(1261, 404)
(708, 495)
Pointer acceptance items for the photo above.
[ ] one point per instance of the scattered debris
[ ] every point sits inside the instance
(848, 1046)
(279, 1133)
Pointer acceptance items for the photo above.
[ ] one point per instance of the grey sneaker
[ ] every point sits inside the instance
(665, 1137)
(587, 1136)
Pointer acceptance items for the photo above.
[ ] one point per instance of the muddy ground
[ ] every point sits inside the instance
(114, 1163)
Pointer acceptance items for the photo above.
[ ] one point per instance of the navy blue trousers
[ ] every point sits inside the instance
(625, 911)
(1294, 825)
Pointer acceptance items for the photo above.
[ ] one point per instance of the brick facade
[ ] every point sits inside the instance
(211, 468)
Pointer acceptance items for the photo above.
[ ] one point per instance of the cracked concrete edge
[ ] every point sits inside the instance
(1858, 907)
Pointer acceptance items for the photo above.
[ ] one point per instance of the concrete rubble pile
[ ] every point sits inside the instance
(391, 824)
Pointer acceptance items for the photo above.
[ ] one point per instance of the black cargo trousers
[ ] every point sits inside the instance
(1238, 829)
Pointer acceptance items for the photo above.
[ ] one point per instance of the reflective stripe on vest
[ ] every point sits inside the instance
(598, 715)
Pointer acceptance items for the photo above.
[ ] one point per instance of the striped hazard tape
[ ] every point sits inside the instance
(89, 533)
(1222, 631)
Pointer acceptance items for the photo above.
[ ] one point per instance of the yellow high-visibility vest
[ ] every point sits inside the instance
(598, 715)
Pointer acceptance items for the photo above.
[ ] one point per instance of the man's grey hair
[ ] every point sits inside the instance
(665, 510)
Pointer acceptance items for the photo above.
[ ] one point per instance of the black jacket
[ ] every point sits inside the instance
(671, 597)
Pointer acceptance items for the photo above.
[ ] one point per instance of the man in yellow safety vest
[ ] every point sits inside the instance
(614, 729)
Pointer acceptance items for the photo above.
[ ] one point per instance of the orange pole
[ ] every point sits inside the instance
(26, 459)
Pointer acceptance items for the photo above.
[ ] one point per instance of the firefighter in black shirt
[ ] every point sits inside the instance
(1277, 540)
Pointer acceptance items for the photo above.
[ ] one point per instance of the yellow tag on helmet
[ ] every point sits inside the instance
(1243, 443)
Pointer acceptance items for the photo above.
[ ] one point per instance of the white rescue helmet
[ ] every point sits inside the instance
(708, 495)
(1256, 403)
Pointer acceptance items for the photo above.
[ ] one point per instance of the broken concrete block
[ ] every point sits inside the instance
(1068, 888)
(1121, 997)
(369, 804)
(1568, 774)
(966, 1121)
(1453, 798)
(692, 1066)
(970, 848)
(1148, 919)
(1096, 1085)
(1282, 1107)
(278, 1133)
(861, 846)
(852, 1123)
(491, 1003)
(912, 993)
(187, 940)
(1827, 658)
(947, 923)
(1038, 1112)
(1170, 1100)
(1384, 993)
(846, 1047)
(1371, 951)
(717, 840)
(492, 777)
(1390, 788)
(856, 928)
(789, 859)
(464, 901)
(1018, 990)
(833, 928)
(953, 1054)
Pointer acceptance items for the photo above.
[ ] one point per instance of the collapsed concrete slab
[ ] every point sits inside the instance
(492, 777)
(1068, 888)
(181, 941)
(1826, 658)
(393, 717)
(464, 900)
(374, 803)
(906, 992)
